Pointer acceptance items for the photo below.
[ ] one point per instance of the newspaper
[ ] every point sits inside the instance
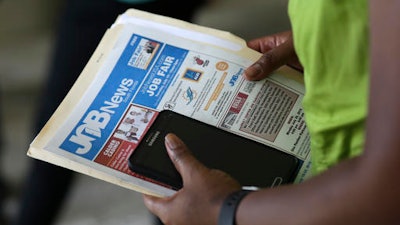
(146, 63)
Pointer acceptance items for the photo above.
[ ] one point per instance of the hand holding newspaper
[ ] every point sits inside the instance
(146, 63)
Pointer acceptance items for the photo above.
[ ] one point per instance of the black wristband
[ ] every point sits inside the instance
(227, 215)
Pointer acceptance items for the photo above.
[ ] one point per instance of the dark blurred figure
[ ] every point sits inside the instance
(3, 186)
(81, 26)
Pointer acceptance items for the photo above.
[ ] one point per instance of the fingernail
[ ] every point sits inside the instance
(171, 141)
(253, 70)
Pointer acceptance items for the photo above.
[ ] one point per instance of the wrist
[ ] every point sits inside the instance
(227, 214)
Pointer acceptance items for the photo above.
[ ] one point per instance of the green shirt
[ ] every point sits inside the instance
(331, 39)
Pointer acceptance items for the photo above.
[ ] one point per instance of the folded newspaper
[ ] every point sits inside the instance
(146, 63)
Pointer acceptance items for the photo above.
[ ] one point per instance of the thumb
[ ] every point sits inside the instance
(271, 60)
(156, 205)
(181, 157)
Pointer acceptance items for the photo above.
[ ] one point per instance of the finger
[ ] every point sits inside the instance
(270, 61)
(263, 44)
(155, 205)
(267, 43)
(180, 155)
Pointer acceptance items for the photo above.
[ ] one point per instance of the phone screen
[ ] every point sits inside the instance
(250, 162)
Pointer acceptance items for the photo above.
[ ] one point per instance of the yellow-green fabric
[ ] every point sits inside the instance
(331, 39)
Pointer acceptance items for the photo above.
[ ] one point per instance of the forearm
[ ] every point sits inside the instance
(364, 190)
(349, 193)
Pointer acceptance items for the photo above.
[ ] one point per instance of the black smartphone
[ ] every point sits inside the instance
(251, 163)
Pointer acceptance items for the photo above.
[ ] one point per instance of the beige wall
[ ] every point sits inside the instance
(26, 16)
(26, 32)
(246, 18)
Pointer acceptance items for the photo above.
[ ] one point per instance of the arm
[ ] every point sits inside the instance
(363, 190)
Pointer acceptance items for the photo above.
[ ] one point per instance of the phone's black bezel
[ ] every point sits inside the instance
(162, 125)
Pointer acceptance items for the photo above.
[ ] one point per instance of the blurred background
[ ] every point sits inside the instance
(26, 40)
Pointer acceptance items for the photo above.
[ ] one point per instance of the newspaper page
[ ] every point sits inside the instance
(146, 63)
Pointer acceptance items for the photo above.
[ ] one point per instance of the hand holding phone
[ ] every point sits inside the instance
(251, 163)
